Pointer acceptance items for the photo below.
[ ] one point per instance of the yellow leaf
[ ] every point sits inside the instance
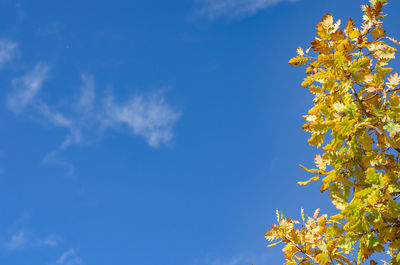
(336, 217)
(271, 235)
(290, 250)
(371, 89)
(345, 127)
(298, 61)
(351, 31)
(394, 80)
(326, 22)
(366, 141)
(310, 118)
(368, 78)
(316, 213)
(316, 139)
(378, 32)
(339, 107)
(336, 26)
(302, 215)
(393, 40)
(274, 244)
(309, 170)
(322, 258)
(316, 89)
(321, 164)
(304, 183)
(300, 51)
(320, 46)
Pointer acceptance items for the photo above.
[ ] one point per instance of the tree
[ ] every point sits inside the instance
(355, 120)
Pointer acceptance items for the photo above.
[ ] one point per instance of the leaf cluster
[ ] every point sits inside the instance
(355, 121)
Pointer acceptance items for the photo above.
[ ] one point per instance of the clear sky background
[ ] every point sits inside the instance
(154, 132)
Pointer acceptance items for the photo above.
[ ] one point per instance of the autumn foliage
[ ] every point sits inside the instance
(355, 123)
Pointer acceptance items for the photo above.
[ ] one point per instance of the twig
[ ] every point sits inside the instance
(310, 257)
(359, 101)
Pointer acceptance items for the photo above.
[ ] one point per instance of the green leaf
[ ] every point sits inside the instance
(372, 242)
(391, 127)
(345, 127)
(322, 258)
(372, 176)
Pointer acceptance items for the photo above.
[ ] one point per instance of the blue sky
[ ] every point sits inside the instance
(154, 132)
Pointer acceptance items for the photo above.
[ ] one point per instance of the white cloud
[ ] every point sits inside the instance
(74, 136)
(88, 94)
(65, 255)
(8, 50)
(25, 88)
(51, 241)
(17, 241)
(235, 8)
(69, 257)
(147, 116)
(59, 120)
(23, 239)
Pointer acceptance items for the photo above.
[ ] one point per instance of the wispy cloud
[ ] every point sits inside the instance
(149, 116)
(145, 115)
(23, 239)
(74, 134)
(50, 241)
(59, 120)
(235, 8)
(26, 88)
(17, 241)
(88, 94)
(20, 239)
(69, 257)
(8, 50)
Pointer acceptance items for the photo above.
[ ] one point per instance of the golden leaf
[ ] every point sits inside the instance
(310, 118)
(322, 258)
(290, 250)
(321, 164)
(316, 213)
(304, 183)
(368, 78)
(326, 21)
(371, 89)
(339, 107)
(274, 244)
(393, 40)
(300, 51)
(298, 61)
(310, 170)
(394, 80)
(378, 32)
